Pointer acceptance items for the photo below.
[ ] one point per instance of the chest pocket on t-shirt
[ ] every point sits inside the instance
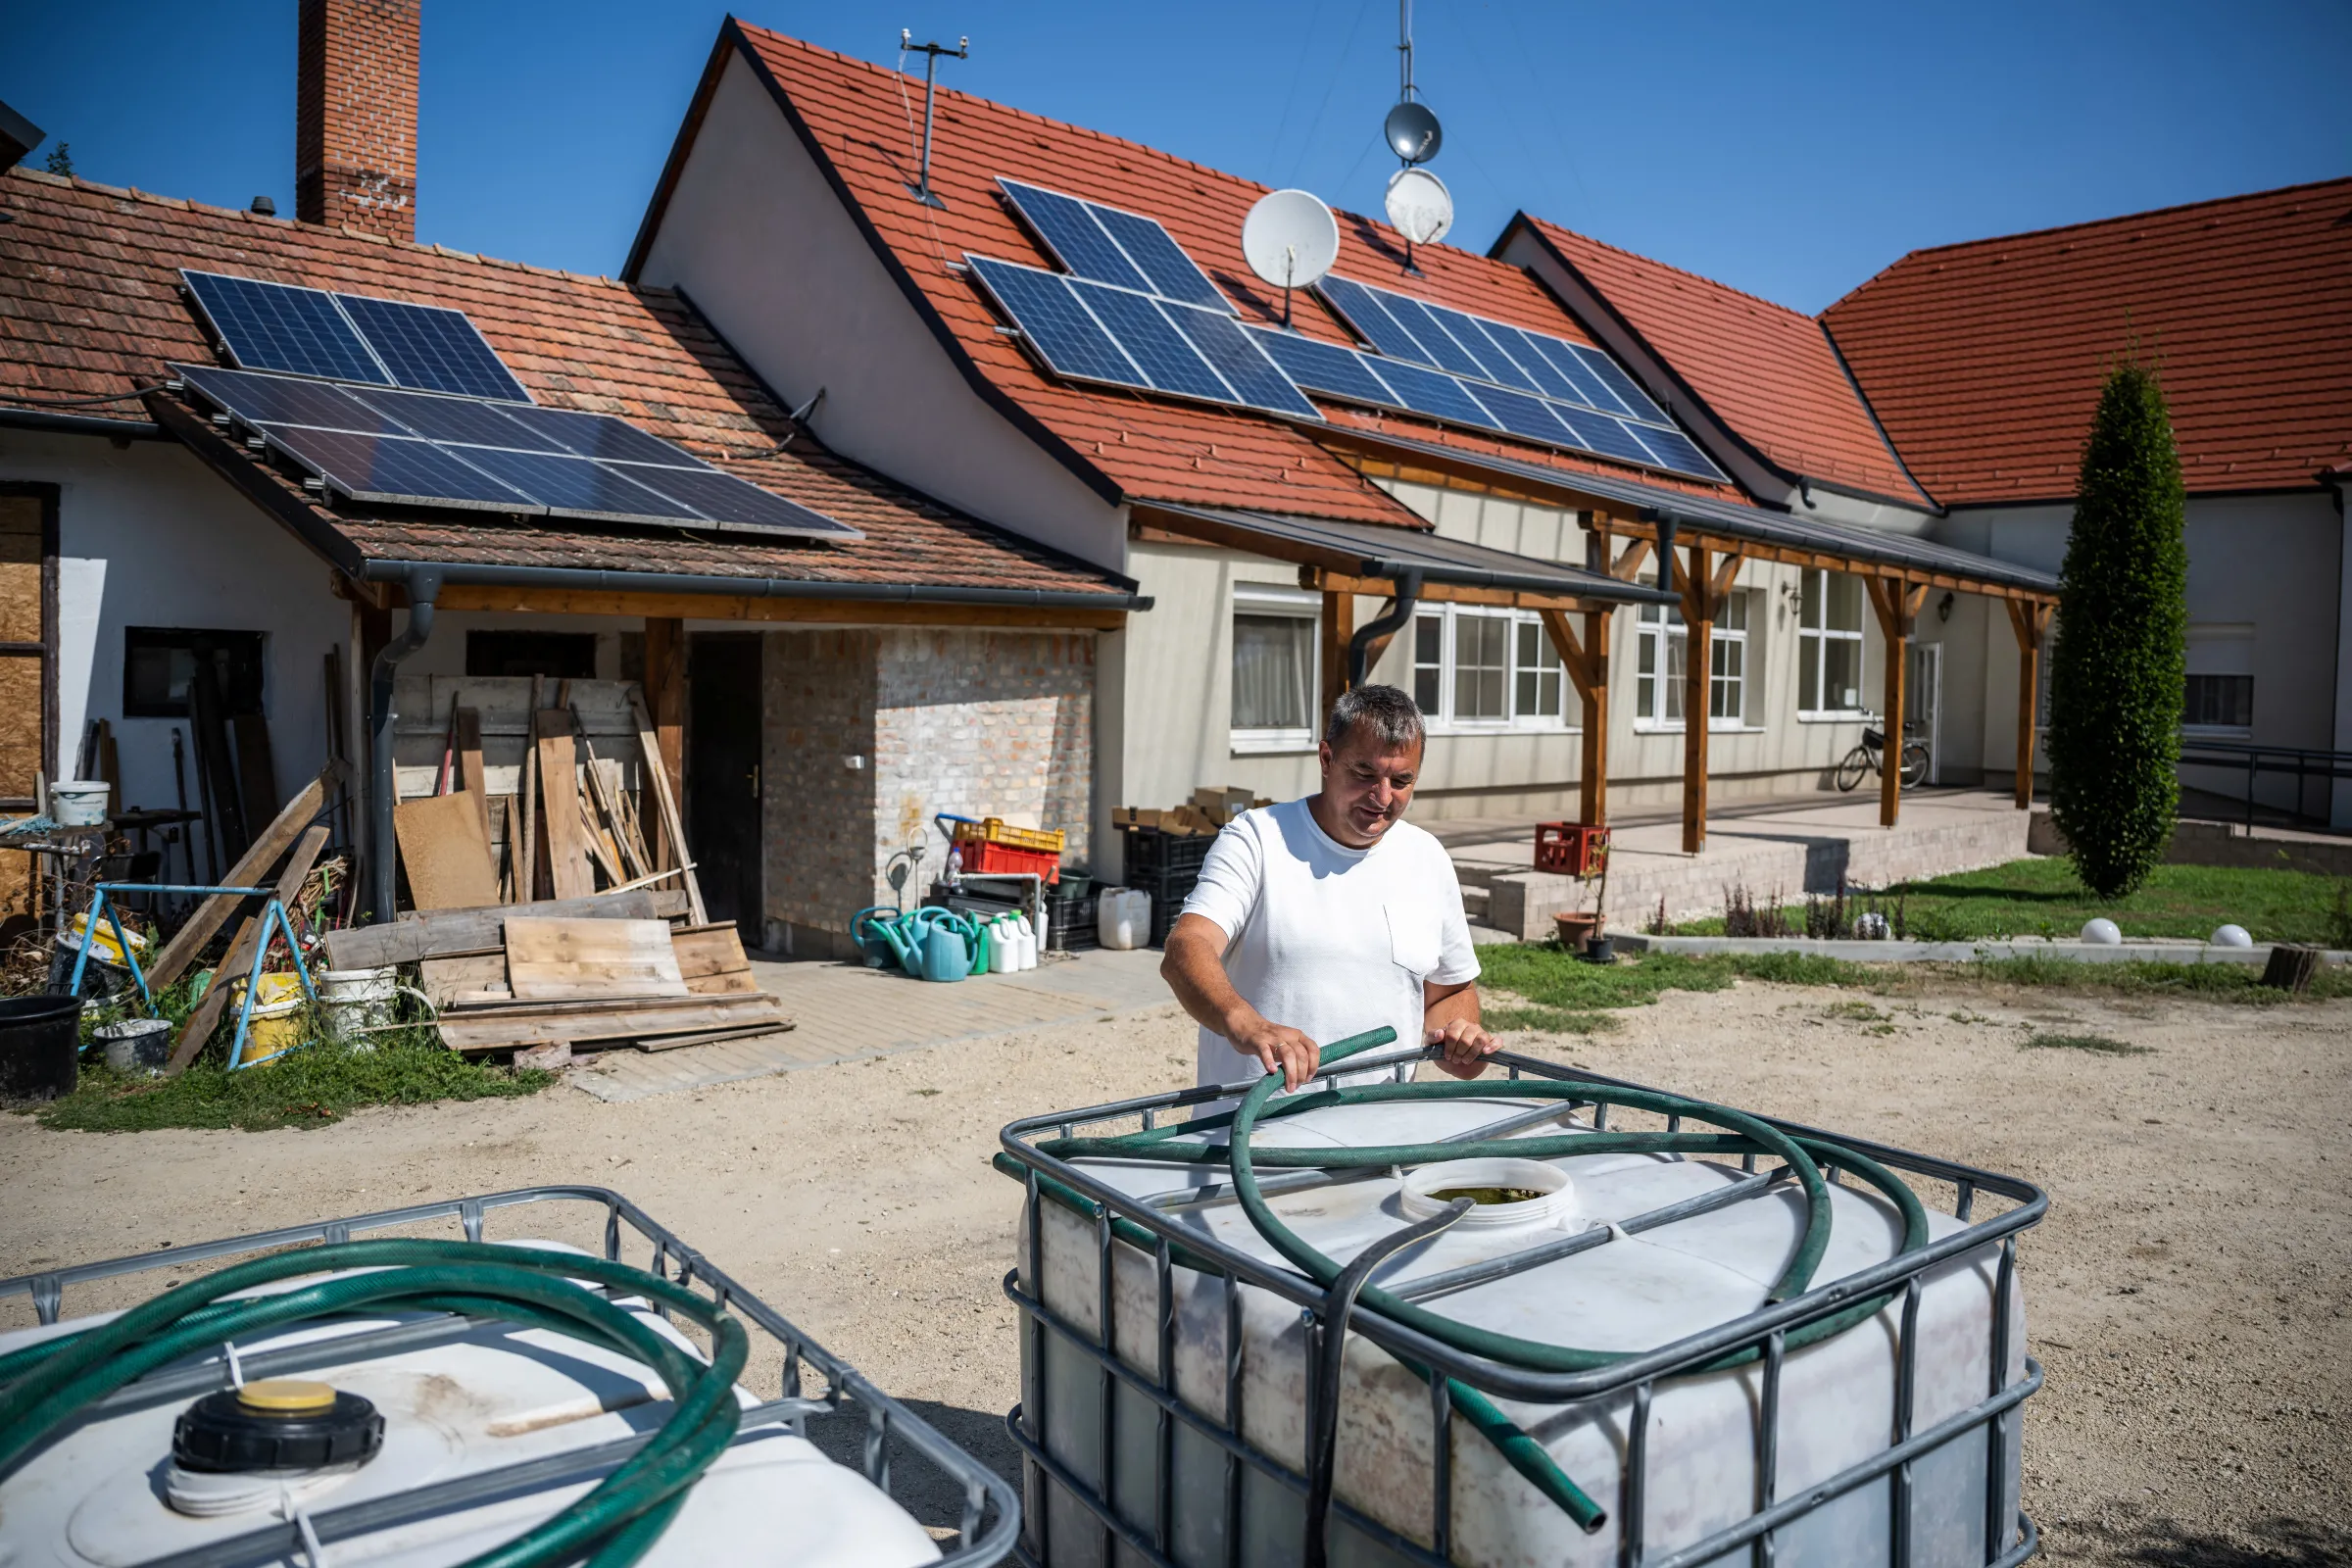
(1414, 942)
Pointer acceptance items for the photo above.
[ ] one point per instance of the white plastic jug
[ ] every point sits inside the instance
(1003, 953)
(1024, 942)
(1123, 918)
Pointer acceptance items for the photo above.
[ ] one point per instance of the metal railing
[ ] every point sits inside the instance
(2010, 1537)
(2301, 764)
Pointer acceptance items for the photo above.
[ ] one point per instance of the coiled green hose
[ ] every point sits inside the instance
(1743, 1134)
(44, 1384)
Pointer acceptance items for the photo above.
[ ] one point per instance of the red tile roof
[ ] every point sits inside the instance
(89, 306)
(1764, 371)
(1985, 360)
(855, 118)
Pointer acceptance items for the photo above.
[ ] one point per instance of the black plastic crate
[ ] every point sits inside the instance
(1071, 923)
(1168, 890)
(1150, 852)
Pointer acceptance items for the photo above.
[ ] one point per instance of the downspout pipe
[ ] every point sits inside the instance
(1359, 646)
(1666, 554)
(425, 586)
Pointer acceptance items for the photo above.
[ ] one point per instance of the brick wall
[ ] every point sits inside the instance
(817, 712)
(980, 723)
(355, 115)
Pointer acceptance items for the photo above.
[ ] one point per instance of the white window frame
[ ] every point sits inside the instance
(1441, 720)
(1659, 629)
(1812, 649)
(2223, 649)
(1272, 598)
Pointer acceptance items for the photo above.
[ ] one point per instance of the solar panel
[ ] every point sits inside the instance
(1325, 367)
(1443, 349)
(1072, 236)
(460, 420)
(1061, 331)
(1523, 415)
(396, 468)
(1527, 350)
(272, 326)
(1439, 396)
(1169, 362)
(1588, 387)
(1360, 308)
(1257, 380)
(265, 400)
(599, 435)
(432, 349)
(1494, 347)
(1629, 392)
(576, 485)
(1678, 451)
(1173, 273)
(1607, 436)
(732, 504)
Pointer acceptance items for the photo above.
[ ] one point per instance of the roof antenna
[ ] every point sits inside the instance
(921, 190)
(1418, 203)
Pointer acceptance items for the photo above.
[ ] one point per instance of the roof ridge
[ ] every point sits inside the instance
(341, 230)
(1678, 271)
(2142, 215)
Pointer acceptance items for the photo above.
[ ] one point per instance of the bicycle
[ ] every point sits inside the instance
(1869, 757)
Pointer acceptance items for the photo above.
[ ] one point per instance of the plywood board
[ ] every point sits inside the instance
(712, 961)
(578, 960)
(419, 935)
(470, 776)
(446, 850)
(444, 980)
(559, 807)
(495, 1028)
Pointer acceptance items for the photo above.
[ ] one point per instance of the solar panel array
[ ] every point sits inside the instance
(351, 337)
(372, 443)
(1134, 311)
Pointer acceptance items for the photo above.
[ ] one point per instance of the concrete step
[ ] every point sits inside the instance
(1475, 901)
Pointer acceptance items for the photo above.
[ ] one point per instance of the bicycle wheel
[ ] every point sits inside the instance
(1850, 772)
(1915, 764)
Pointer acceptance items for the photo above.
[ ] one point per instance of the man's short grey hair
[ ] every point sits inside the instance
(1389, 713)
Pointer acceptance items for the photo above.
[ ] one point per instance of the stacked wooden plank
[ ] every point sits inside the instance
(518, 789)
(603, 970)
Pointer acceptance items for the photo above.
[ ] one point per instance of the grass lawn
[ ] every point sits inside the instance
(1554, 991)
(2041, 898)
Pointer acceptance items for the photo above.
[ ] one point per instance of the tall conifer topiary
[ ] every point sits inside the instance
(2117, 671)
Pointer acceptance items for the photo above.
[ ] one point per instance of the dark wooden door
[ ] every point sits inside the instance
(722, 773)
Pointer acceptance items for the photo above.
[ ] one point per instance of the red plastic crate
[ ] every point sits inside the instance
(1572, 849)
(981, 858)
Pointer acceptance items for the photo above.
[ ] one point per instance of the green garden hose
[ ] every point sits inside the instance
(1742, 1134)
(43, 1385)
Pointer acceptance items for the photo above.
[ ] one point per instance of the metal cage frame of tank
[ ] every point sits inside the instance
(672, 1259)
(1764, 1329)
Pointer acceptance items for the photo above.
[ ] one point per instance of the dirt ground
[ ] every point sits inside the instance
(2189, 1294)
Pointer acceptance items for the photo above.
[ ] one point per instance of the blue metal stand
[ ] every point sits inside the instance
(273, 917)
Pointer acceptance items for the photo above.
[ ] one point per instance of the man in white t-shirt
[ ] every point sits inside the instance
(1322, 918)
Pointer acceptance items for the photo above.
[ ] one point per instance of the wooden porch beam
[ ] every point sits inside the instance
(1587, 660)
(1897, 602)
(754, 611)
(1438, 593)
(2030, 622)
(1698, 655)
(1339, 626)
(665, 703)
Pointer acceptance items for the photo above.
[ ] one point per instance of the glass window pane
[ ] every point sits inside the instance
(1429, 661)
(1810, 613)
(1734, 613)
(1425, 691)
(1273, 659)
(1845, 603)
(1429, 639)
(1677, 652)
(1842, 674)
(1809, 670)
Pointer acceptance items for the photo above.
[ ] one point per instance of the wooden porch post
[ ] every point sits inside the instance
(2031, 621)
(1339, 626)
(1698, 654)
(665, 702)
(1587, 660)
(1897, 602)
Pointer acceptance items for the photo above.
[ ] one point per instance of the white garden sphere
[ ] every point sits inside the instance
(2232, 936)
(2102, 931)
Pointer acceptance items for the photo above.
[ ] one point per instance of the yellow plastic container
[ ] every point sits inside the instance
(277, 1024)
(996, 830)
(104, 946)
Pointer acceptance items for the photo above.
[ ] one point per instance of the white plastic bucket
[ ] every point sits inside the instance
(136, 1044)
(357, 998)
(77, 802)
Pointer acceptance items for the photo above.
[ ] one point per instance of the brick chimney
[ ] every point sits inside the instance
(355, 116)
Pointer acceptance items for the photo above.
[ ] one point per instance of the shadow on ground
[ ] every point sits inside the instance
(920, 1487)
(2272, 1543)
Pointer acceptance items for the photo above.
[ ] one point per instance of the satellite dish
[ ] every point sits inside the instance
(1413, 132)
(1289, 238)
(1420, 206)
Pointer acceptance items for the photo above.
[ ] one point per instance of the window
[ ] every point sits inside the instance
(159, 663)
(1829, 645)
(557, 655)
(1487, 669)
(1274, 665)
(1661, 661)
(2220, 702)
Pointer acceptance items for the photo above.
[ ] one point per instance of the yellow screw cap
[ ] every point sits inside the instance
(286, 1396)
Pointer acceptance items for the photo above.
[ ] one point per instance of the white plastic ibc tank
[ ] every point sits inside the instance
(1636, 1293)
(1123, 918)
(498, 1396)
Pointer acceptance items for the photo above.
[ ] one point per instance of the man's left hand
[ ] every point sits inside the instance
(1467, 1047)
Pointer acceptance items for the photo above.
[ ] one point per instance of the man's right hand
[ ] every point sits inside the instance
(1281, 1048)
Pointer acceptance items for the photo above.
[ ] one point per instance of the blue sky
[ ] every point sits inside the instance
(1791, 151)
